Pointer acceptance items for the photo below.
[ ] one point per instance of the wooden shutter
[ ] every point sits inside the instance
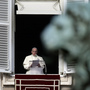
(3, 10)
(6, 38)
(69, 67)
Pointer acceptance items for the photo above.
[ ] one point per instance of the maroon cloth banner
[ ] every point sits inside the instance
(37, 82)
(37, 76)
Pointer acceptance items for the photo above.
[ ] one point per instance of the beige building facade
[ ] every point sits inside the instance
(7, 28)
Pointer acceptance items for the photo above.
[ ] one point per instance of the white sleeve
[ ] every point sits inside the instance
(42, 62)
(26, 63)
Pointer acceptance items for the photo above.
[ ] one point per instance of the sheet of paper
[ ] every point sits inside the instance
(35, 63)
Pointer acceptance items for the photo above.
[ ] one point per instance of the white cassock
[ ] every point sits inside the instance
(33, 70)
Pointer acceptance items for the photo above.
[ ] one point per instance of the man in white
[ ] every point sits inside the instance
(34, 63)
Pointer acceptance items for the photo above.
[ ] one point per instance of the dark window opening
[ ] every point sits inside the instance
(27, 35)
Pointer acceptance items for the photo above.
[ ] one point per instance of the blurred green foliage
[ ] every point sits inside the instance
(71, 33)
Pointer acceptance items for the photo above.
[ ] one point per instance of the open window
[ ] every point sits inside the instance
(27, 36)
(6, 36)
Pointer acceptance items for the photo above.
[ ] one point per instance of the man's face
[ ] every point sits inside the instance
(34, 51)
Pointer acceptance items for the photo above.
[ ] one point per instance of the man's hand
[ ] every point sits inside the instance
(30, 66)
(38, 65)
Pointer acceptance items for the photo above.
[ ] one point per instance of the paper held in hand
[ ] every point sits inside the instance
(35, 63)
